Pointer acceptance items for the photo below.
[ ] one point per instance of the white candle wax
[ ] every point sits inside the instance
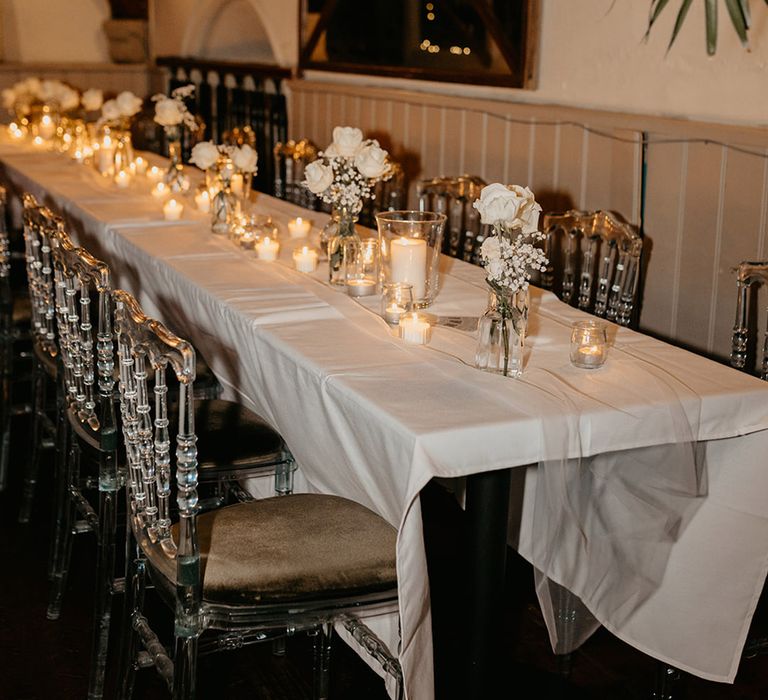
(160, 191)
(408, 264)
(267, 249)
(299, 228)
(105, 156)
(203, 201)
(361, 288)
(592, 355)
(140, 166)
(154, 174)
(393, 313)
(172, 210)
(413, 330)
(122, 179)
(236, 184)
(305, 259)
(47, 128)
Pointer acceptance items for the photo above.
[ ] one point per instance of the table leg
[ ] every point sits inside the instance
(487, 510)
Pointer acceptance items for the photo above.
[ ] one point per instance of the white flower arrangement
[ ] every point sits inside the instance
(24, 93)
(510, 255)
(346, 172)
(172, 111)
(206, 153)
(120, 108)
(92, 100)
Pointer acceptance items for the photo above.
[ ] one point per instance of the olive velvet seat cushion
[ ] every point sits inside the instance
(293, 548)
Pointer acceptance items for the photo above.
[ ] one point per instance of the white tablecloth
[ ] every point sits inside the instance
(372, 419)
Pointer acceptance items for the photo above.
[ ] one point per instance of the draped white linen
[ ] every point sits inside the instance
(372, 419)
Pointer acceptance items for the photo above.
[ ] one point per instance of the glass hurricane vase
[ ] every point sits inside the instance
(501, 333)
(338, 235)
(224, 202)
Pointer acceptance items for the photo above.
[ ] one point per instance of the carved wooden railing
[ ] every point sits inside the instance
(235, 95)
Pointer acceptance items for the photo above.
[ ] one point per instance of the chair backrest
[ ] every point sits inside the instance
(37, 250)
(291, 158)
(749, 275)
(388, 195)
(594, 263)
(144, 346)
(453, 196)
(83, 286)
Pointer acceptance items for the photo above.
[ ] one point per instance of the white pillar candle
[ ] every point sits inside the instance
(140, 166)
(299, 228)
(172, 210)
(305, 259)
(203, 201)
(408, 264)
(267, 249)
(122, 179)
(414, 330)
(154, 174)
(105, 156)
(47, 128)
(236, 184)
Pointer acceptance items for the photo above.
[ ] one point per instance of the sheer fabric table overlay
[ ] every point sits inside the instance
(649, 494)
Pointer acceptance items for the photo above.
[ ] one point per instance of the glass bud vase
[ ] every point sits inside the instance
(174, 176)
(501, 333)
(224, 203)
(335, 236)
(123, 147)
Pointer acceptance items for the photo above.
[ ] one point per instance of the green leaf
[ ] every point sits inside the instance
(711, 10)
(656, 7)
(679, 21)
(744, 5)
(734, 10)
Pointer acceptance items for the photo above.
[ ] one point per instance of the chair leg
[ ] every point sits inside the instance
(39, 380)
(322, 666)
(61, 493)
(105, 573)
(185, 667)
(62, 556)
(6, 408)
(135, 578)
(668, 682)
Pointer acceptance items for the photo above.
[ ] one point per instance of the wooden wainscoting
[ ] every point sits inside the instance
(702, 207)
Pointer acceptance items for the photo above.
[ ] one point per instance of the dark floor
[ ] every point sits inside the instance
(43, 660)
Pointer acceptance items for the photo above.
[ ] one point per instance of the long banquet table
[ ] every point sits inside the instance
(372, 419)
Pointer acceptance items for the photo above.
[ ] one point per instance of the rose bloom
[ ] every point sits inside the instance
(110, 111)
(8, 97)
(204, 155)
(371, 160)
(513, 205)
(69, 98)
(319, 177)
(245, 159)
(128, 103)
(346, 141)
(168, 112)
(92, 100)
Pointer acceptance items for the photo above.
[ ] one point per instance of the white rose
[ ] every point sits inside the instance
(47, 90)
(513, 205)
(110, 111)
(346, 141)
(319, 177)
(8, 97)
(371, 160)
(92, 100)
(204, 155)
(245, 159)
(69, 99)
(128, 103)
(168, 112)
(31, 86)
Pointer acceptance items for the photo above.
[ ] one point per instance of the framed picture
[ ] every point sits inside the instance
(487, 42)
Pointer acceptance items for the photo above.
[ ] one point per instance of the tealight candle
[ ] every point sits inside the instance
(361, 287)
(154, 174)
(203, 201)
(139, 166)
(16, 133)
(589, 344)
(396, 301)
(414, 330)
(160, 191)
(46, 128)
(393, 313)
(305, 259)
(122, 179)
(267, 249)
(172, 210)
(299, 228)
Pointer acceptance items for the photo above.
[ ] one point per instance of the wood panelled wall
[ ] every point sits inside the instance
(701, 205)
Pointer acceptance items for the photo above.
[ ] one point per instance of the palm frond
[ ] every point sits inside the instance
(679, 21)
(711, 12)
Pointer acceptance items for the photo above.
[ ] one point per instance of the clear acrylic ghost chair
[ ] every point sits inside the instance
(749, 275)
(453, 196)
(240, 574)
(45, 349)
(291, 158)
(594, 263)
(388, 195)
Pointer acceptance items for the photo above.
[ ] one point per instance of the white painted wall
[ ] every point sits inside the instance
(54, 30)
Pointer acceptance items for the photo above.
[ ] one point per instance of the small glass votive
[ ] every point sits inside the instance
(299, 228)
(396, 300)
(414, 329)
(305, 259)
(267, 249)
(361, 266)
(589, 344)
